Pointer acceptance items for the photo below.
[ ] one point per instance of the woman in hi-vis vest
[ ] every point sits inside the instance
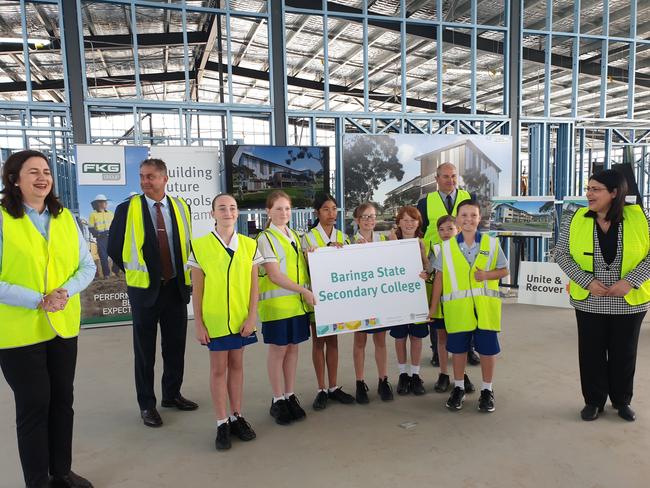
(45, 263)
(603, 249)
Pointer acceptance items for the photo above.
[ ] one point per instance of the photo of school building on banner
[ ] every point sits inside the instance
(108, 176)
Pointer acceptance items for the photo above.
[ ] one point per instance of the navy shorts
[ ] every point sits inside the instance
(231, 342)
(486, 342)
(375, 331)
(283, 332)
(414, 330)
(438, 324)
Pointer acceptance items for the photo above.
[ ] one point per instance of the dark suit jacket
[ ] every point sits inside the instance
(146, 296)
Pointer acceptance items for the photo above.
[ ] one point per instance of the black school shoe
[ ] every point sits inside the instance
(280, 412)
(435, 360)
(473, 358)
(242, 429)
(384, 390)
(70, 480)
(361, 395)
(625, 412)
(590, 412)
(296, 411)
(469, 386)
(222, 442)
(340, 396)
(404, 384)
(320, 402)
(443, 383)
(486, 402)
(456, 398)
(417, 386)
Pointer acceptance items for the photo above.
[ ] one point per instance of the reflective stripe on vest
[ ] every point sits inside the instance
(276, 302)
(315, 239)
(436, 208)
(30, 261)
(227, 286)
(468, 303)
(137, 274)
(636, 245)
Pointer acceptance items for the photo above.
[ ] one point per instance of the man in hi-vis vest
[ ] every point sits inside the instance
(434, 205)
(149, 240)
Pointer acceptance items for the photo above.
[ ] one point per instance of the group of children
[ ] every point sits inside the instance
(236, 279)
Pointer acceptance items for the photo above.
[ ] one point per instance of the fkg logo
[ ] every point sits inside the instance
(108, 171)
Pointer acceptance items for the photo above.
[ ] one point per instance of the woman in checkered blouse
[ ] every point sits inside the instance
(604, 251)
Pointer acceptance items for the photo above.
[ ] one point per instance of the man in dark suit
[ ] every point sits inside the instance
(432, 206)
(149, 241)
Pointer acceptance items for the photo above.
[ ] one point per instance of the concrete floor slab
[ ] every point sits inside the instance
(534, 439)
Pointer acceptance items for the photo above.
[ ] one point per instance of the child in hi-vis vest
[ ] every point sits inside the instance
(469, 268)
(224, 279)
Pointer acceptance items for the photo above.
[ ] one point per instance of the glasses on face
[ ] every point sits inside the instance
(594, 189)
(368, 217)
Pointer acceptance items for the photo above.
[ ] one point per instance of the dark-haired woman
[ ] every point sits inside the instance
(325, 350)
(45, 263)
(604, 251)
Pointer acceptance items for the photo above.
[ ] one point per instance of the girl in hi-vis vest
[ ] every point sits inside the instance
(325, 350)
(285, 303)
(409, 226)
(365, 216)
(225, 293)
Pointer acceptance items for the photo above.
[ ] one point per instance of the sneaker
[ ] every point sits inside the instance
(384, 390)
(456, 398)
(486, 402)
(320, 402)
(403, 384)
(296, 411)
(340, 396)
(362, 392)
(222, 442)
(280, 412)
(417, 386)
(473, 358)
(442, 385)
(469, 386)
(242, 429)
(435, 360)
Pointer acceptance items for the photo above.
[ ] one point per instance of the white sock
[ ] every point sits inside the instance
(277, 399)
(415, 369)
(334, 388)
(222, 421)
(288, 395)
(460, 384)
(324, 390)
(233, 418)
(402, 368)
(486, 386)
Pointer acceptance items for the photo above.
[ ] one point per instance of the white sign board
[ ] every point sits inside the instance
(543, 284)
(100, 165)
(367, 286)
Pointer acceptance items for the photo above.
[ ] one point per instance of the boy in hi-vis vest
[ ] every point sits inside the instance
(469, 268)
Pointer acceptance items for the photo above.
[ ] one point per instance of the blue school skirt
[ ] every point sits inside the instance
(283, 332)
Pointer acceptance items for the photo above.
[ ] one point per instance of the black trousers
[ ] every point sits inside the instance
(607, 347)
(171, 312)
(41, 377)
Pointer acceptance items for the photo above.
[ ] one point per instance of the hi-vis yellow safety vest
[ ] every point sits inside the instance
(436, 208)
(100, 221)
(137, 274)
(468, 303)
(435, 250)
(276, 302)
(376, 237)
(41, 265)
(227, 287)
(636, 245)
(314, 239)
